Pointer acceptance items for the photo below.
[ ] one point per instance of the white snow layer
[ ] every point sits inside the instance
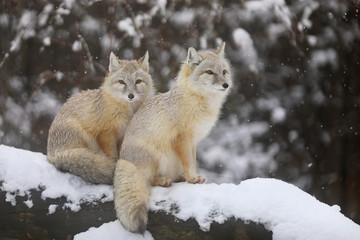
(247, 51)
(282, 208)
(287, 211)
(22, 171)
(111, 231)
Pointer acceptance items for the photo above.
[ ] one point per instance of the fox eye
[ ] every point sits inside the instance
(121, 82)
(225, 72)
(209, 72)
(138, 81)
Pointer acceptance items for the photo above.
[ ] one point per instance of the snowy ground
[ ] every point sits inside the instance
(282, 208)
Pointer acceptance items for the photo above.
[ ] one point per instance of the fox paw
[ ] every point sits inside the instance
(161, 181)
(198, 179)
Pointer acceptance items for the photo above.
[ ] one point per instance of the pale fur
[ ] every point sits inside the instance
(86, 134)
(160, 143)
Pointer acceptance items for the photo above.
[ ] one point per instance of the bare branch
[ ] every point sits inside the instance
(132, 15)
(100, 67)
(87, 51)
(4, 59)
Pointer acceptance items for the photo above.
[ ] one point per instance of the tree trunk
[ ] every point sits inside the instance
(21, 222)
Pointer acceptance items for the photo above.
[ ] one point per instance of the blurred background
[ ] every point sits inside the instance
(294, 113)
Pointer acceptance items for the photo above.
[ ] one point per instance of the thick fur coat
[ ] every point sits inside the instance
(86, 135)
(160, 143)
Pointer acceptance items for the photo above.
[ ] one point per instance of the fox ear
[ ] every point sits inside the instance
(221, 50)
(144, 62)
(193, 57)
(114, 64)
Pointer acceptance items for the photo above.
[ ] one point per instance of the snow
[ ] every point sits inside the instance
(59, 75)
(320, 58)
(15, 44)
(109, 42)
(47, 41)
(247, 51)
(265, 8)
(29, 203)
(15, 115)
(52, 208)
(231, 148)
(312, 40)
(305, 21)
(278, 115)
(282, 208)
(293, 135)
(183, 18)
(203, 42)
(111, 231)
(4, 20)
(21, 171)
(127, 26)
(275, 30)
(91, 25)
(63, 11)
(132, 26)
(44, 102)
(275, 14)
(44, 16)
(76, 46)
(162, 6)
(25, 29)
(70, 3)
(26, 23)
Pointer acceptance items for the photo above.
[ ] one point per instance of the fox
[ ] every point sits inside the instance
(86, 134)
(160, 142)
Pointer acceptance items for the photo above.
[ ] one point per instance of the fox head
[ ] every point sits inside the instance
(208, 72)
(129, 81)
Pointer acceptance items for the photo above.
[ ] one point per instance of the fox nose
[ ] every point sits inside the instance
(131, 96)
(225, 85)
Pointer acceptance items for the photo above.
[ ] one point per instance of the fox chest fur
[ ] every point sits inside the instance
(197, 116)
(191, 117)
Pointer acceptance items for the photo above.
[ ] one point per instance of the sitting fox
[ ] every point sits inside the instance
(160, 143)
(86, 134)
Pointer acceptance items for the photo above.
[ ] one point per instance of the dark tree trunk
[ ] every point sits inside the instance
(21, 222)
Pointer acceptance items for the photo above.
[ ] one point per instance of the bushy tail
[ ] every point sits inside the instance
(131, 196)
(96, 168)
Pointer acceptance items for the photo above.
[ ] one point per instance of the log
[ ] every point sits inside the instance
(21, 222)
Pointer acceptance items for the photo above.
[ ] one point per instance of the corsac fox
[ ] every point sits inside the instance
(86, 134)
(160, 143)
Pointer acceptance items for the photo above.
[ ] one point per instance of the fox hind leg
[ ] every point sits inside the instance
(93, 167)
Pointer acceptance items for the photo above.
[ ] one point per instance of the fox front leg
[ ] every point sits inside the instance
(200, 178)
(185, 153)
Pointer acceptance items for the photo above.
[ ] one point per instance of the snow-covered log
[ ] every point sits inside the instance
(38, 201)
(38, 222)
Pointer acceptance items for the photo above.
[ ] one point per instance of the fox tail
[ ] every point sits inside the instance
(131, 196)
(90, 166)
